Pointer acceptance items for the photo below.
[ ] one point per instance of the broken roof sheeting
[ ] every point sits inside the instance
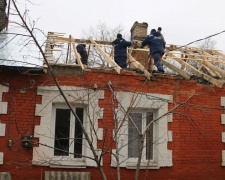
(18, 49)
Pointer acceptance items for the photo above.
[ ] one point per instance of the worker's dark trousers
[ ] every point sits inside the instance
(157, 60)
(121, 61)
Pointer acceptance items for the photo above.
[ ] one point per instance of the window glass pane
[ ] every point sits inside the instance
(78, 134)
(149, 137)
(62, 129)
(133, 136)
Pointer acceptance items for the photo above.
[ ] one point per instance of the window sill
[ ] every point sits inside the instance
(144, 165)
(67, 164)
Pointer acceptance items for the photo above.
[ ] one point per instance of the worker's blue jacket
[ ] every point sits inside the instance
(120, 47)
(156, 44)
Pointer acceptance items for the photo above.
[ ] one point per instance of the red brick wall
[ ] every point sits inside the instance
(197, 147)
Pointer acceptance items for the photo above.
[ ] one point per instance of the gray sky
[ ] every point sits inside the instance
(182, 21)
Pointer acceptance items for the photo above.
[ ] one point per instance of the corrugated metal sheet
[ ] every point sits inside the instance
(62, 175)
(18, 49)
(5, 176)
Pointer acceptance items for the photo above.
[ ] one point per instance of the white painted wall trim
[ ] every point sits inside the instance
(77, 96)
(1, 157)
(146, 101)
(3, 110)
(222, 102)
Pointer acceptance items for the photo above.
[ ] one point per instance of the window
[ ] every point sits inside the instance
(59, 130)
(143, 109)
(3, 110)
(68, 134)
(141, 120)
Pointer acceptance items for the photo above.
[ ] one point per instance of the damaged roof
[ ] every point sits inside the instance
(192, 63)
(18, 49)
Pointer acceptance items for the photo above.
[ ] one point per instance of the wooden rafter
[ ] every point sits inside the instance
(210, 65)
(176, 69)
(106, 56)
(77, 54)
(215, 52)
(185, 56)
(197, 72)
(138, 65)
(203, 63)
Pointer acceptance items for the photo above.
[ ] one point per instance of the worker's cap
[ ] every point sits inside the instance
(152, 31)
(119, 35)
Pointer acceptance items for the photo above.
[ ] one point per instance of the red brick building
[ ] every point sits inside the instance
(179, 120)
(193, 138)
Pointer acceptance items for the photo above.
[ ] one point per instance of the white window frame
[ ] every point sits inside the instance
(144, 121)
(3, 110)
(43, 155)
(141, 101)
(72, 131)
(222, 103)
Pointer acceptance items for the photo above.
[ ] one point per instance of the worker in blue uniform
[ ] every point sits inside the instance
(120, 51)
(156, 46)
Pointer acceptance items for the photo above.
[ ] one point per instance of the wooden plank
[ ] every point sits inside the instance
(216, 59)
(218, 74)
(198, 73)
(112, 52)
(204, 63)
(140, 49)
(106, 56)
(217, 53)
(213, 81)
(87, 41)
(186, 65)
(70, 50)
(176, 69)
(209, 71)
(139, 66)
(47, 49)
(210, 65)
(77, 54)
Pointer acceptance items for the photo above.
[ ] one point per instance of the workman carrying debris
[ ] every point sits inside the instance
(120, 51)
(81, 49)
(156, 46)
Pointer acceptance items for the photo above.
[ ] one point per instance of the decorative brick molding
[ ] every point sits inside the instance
(89, 98)
(3, 110)
(5, 176)
(222, 102)
(1, 157)
(159, 105)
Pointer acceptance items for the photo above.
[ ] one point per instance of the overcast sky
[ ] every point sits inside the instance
(182, 21)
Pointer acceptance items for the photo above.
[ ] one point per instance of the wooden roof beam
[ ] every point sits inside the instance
(216, 53)
(87, 41)
(198, 73)
(106, 56)
(139, 66)
(210, 65)
(176, 69)
(204, 63)
(77, 54)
